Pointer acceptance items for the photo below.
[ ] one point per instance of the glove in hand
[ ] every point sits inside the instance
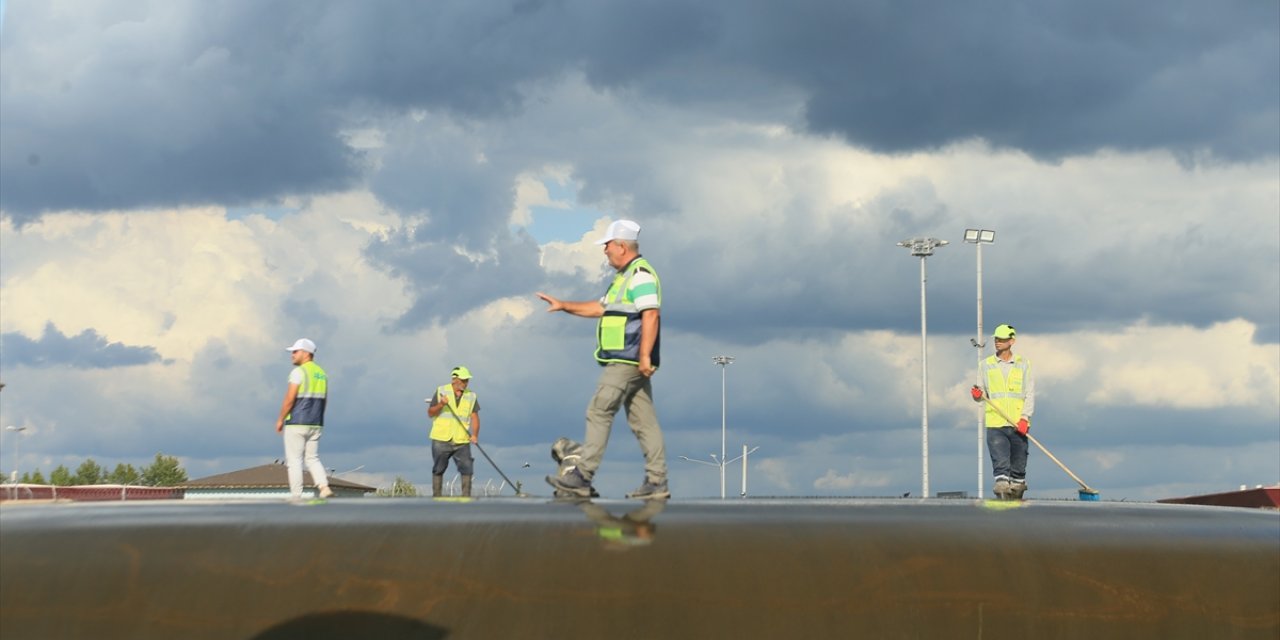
(976, 392)
(1023, 427)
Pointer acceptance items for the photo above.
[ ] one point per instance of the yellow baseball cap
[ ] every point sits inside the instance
(462, 373)
(1004, 332)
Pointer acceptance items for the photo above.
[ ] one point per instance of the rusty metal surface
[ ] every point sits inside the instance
(510, 568)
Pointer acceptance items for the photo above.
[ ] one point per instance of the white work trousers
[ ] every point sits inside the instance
(301, 445)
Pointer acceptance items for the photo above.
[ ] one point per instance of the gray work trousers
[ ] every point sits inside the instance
(622, 385)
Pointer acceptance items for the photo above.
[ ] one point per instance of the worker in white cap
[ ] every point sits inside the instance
(627, 340)
(301, 420)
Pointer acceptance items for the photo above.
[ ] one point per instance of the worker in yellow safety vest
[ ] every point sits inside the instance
(1005, 379)
(455, 424)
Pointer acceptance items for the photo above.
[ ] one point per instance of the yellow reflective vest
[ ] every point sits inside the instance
(618, 330)
(308, 407)
(454, 422)
(1008, 393)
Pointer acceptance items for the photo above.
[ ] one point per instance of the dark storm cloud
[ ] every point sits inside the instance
(444, 283)
(87, 350)
(126, 105)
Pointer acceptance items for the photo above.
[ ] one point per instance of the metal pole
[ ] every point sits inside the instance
(724, 362)
(744, 471)
(923, 247)
(982, 352)
(924, 382)
(723, 413)
(17, 441)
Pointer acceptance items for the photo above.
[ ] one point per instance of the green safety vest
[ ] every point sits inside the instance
(1006, 393)
(454, 422)
(308, 407)
(618, 331)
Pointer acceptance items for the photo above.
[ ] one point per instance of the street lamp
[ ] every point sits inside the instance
(923, 247)
(17, 433)
(722, 463)
(979, 237)
(724, 362)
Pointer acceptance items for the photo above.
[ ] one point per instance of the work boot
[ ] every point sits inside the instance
(1002, 488)
(565, 448)
(437, 486)
(466, 486)
(1016, 489)
(651, 490)
(572, 483)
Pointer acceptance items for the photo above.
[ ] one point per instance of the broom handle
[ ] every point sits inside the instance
(1037, 443)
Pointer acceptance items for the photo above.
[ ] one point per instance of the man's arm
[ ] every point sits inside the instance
(475, 426)
(290, 397)
(436, 406)
(649, 319)
(582, 308)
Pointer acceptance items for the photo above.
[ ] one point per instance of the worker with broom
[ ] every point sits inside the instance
(455, 424)
(1005, 380)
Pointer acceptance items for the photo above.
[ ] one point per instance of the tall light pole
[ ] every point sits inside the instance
(17, 439)
(923, 247)
(979, 237)
(724, 362)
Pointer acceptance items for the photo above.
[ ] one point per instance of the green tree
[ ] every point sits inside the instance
(33, 477)
(89, 472)
(124, 474)
(61, 477)
(401, 488)
(165, 471)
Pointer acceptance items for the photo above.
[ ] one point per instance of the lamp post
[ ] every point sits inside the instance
(17, 439)
(722, 463)
(923, 247)
(724, 362)
(979, 237)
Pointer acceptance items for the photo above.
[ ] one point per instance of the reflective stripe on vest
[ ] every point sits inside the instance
(308, 407)
(1008, 394)
(454, 421)
(618, 331)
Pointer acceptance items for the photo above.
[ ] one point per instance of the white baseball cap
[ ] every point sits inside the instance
(621, 230)
(303, 344)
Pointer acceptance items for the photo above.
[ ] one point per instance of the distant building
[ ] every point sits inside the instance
(1258, 498)
(265, 482)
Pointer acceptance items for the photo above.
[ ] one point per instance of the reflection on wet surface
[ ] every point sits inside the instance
(496, 568)
(634, 528)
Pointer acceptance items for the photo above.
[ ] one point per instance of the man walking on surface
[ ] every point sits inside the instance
(455, 424)
(301, 419)
(627, 338)
(1006, 380)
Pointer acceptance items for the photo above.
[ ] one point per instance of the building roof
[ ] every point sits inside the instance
(1259, 497)
(272, 475)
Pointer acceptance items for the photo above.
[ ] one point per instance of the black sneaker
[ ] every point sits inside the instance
(572, 483)
(651, 491)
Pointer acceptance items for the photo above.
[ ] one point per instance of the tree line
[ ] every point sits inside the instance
(164, 471)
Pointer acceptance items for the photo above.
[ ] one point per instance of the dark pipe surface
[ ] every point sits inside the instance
(522, 568)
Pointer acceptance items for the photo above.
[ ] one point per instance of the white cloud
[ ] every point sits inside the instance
(833, 481)
(775, 470)
(1184, 367)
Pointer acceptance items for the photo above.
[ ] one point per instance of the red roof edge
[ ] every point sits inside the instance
(1258, 498)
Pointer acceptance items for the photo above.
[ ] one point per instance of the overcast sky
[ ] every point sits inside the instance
(188, 186)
